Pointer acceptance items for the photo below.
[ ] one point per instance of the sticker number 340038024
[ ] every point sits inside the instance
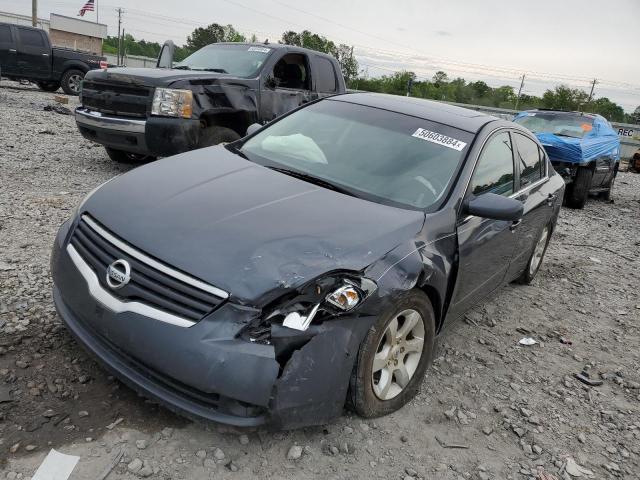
(440, 139)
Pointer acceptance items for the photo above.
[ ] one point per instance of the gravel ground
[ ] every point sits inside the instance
(515, 411)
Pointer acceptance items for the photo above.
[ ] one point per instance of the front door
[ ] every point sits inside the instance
(34, 53)
(485, 246)
(8, 51)
(287, 86)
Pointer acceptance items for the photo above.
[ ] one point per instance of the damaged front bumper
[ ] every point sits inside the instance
(207, 370)
(155, 136)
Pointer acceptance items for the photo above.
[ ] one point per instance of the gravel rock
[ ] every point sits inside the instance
(135, 465)
(295, 452)
(141, 444)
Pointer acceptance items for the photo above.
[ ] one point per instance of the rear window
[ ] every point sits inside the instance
(326, 76)
(5, 34)
(31, 38)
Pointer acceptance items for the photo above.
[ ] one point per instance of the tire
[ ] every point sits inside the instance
(578, 192)
(121, 156)
(215, 135)
(71, 80)
(48, 86)
(537, 255)
(367, 387)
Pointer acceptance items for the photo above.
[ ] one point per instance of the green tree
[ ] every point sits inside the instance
(214, 33)
(440, 78)
(347, 61)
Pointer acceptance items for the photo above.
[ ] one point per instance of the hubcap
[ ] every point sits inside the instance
(398, 354)
(538, 252)
(74, 83)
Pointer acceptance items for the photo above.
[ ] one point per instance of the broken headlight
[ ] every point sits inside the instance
(171, 102)
(324, 298)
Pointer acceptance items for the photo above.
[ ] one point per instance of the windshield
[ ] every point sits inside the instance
(239, 60)
(370, 153)
(562, 124)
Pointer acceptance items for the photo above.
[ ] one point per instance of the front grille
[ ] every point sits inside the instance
(130, 101)
(148, 285)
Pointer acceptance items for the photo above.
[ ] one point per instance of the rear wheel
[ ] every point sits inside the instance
(394, 356)
(578, 191)
(216, 135)
(72, 81)
(121, 156)
(48, 86)
(536, 257)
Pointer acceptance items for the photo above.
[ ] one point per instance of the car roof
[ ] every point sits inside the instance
(275, 46)
(458, 117)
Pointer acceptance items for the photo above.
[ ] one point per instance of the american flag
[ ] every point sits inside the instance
(88, 7)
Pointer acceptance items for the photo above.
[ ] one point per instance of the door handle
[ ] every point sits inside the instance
(515, 225)
(12, 50)
(45, 54)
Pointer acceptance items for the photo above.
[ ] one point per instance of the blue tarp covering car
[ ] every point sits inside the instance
(584, 148)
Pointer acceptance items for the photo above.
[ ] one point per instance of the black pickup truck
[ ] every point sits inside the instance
(210, 97)
(26, 53)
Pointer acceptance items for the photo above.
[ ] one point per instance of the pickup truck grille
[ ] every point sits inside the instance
(125, 100)
(149, 285)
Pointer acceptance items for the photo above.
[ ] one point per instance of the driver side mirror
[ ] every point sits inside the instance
(495, 207)
(253, 128)
(165, 59)
(270, 82)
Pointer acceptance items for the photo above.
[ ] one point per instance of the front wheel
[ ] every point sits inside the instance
(578, 191)
(216, 135)
(394, 356)
(121, 156)
(72, 81)
(48, 86)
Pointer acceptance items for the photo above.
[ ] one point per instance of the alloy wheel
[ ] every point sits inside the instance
(536, 259)
(74, 83)
(398, 354)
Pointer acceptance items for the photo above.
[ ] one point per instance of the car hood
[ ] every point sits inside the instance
(154, 77)
(244, 228)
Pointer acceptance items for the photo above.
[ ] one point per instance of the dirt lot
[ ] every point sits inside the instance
(515, 410)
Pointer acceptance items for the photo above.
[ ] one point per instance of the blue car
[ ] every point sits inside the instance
(582, 147)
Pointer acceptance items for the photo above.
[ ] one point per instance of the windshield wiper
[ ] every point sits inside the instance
(315, 180)
(217, 70)
(182, 67)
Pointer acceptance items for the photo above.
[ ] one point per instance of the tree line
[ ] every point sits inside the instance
(440, 87)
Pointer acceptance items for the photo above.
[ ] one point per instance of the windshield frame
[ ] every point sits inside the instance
(236, 148)
(255, 74)
(549, 116)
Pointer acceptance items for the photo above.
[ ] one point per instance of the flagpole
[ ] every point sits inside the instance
(96, 11)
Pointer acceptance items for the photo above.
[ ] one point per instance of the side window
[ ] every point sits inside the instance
(326, 76)
(494, 171)
(529, 159)
(5, 34)
(292, 71)
(31, 38)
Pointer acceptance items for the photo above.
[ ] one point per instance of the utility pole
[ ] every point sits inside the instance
(119, 10)
(34, 13)
(593, 86)
(519, 92)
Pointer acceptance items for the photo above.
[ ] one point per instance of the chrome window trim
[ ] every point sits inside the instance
(116, 305)
(519, 192)
(153, 263)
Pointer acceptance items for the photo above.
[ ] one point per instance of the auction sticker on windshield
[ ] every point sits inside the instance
(440, 139)
(259, 49)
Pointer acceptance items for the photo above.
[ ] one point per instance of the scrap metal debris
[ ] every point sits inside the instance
(528, 341)
(58, 109)
(444, 444)
(575, 470)
(584, 378)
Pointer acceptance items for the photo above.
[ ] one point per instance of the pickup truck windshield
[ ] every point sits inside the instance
(239, 60)
(370, 153)
(562, 124)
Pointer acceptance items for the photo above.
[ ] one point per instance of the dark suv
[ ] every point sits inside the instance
(210, 97)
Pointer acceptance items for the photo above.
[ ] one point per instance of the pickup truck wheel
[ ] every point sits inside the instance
(71, 81)
(121, 156)
(48, 86)
(215, 135)
(578, 191)
(393, 357)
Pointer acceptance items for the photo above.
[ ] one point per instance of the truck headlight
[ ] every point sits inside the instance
(171, 102)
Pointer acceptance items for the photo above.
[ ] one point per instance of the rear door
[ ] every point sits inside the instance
(8, 50)
(485, 246)
(34, 53)
(536, 196)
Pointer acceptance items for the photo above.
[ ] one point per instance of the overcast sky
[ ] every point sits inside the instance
(552, 41)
